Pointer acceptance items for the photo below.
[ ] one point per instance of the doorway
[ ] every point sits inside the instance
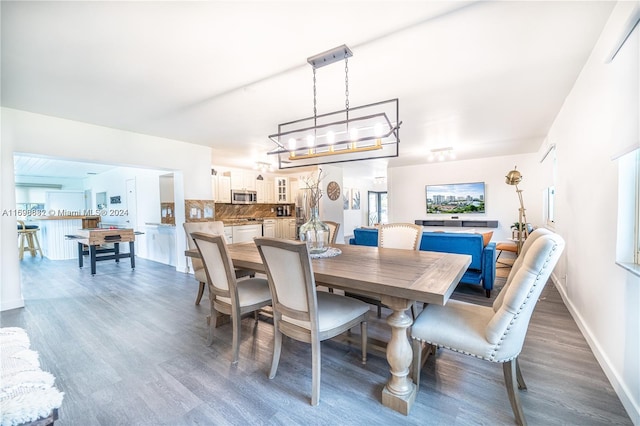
(377, 211)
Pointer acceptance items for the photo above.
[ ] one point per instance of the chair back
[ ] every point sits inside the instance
(291, 281)
(218, 266)
(517, 299)
(215, 228)
(400, 235)
(333, 230)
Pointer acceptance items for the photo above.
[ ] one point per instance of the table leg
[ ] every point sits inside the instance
(116, 251)
(400, 392)
(92, 253)
(132, 254)
(80, 255)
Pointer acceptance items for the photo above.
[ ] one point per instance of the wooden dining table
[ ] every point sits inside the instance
(398, 277)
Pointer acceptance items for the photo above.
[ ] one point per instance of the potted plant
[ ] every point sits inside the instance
(517, 227)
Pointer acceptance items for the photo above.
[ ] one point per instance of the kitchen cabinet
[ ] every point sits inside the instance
(282, 189)
(286, 228)
(243, 180)
(269, 228)
(261, 191)
(221, 186)
(270, 190)
(228, 234)
(246, 233)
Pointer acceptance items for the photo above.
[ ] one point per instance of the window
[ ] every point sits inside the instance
(377, 210)
(628, 238)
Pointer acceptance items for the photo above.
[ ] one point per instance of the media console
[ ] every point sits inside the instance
(459, 223)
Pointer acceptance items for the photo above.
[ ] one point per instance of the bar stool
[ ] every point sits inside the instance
(28, 234)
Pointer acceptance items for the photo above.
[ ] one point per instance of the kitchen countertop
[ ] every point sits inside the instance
(252, 221)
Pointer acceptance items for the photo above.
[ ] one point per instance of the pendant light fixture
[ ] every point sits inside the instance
(353, 134)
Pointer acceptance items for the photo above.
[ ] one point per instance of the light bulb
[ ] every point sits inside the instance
(331, 137)
(353, 133)
(310, 140)
(377, 129)
(292, 144)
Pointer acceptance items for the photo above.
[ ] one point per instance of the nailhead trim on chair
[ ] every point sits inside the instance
(492, 358)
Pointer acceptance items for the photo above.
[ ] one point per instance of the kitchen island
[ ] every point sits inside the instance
(53, 230)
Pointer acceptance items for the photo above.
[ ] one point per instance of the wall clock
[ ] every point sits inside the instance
(333, 190)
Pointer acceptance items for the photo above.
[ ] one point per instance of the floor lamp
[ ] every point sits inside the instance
(514, 178)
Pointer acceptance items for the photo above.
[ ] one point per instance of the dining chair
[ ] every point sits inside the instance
(493, 333)
(399, 236)
(302, 313)
(226, 294)
(333, 230)
(214, 227)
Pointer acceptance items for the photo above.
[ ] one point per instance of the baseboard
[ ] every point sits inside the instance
(620, 388)
(7, 305)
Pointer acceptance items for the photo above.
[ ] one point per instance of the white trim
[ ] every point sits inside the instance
(625, 150)
(7, 305)
(619, 386)
(628, 28)
(551, 148)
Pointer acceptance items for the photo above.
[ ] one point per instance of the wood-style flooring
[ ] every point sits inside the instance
(128, 347)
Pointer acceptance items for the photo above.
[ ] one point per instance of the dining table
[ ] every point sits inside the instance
(398, 277)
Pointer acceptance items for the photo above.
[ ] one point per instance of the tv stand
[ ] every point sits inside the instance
(460, 223)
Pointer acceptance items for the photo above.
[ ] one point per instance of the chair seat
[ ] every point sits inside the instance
(251, 291)
(456, 325)
(507, 246)
(201, 275)
(333, 311)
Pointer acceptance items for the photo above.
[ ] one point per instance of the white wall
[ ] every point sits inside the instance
(406, 190)
(30, 133)
(598, 118)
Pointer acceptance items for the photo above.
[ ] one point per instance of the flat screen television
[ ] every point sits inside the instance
(455, 198)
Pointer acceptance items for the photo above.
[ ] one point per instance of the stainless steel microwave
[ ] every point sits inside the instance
(243, 197)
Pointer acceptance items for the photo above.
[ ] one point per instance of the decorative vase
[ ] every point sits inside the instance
(315, 233)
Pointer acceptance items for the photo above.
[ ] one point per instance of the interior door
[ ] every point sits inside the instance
(132, 204)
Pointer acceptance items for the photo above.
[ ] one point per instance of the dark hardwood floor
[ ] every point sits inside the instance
(128, 347)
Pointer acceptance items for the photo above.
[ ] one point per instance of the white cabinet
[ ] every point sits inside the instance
(286, 228)
(246, 233)
(269, 228)
(260, 191)
(270, 190)
(228, 234)
(282, 189)
(243, 180)
(221, 186)
(292, 229)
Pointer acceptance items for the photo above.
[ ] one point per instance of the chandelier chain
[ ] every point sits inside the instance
(315, 109)
(346, 83)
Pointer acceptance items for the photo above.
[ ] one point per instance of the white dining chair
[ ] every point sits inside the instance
(302, 313)
(226, 294)
(493, 333)
(398, 236)
(213, 227)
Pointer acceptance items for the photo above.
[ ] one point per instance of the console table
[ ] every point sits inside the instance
(458, 223)
(94, 238)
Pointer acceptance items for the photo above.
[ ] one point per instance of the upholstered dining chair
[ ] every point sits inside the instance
(216, 228)
(302, 313)
(399, 236)
(493, 333)
(333, 230)
(226, 294)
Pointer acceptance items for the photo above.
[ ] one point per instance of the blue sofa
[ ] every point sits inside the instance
(482, 270)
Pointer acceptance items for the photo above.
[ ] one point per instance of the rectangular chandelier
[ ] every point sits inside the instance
(352, 134)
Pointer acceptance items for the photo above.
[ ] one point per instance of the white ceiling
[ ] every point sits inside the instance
(487, 78)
